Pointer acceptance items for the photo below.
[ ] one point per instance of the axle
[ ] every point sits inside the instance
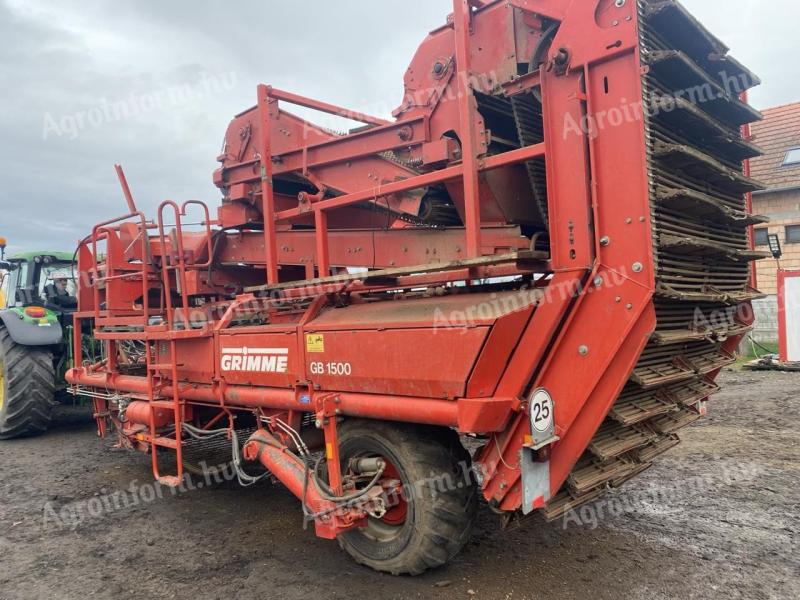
(330, 518)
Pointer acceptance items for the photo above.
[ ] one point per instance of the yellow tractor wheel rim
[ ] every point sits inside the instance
(2, 385)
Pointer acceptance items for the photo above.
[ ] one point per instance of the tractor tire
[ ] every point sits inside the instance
(27, 389)
(434, 520)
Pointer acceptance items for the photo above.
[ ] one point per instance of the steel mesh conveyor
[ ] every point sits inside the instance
(701, 250)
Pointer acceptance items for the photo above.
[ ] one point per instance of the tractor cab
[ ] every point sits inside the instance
(40, 279)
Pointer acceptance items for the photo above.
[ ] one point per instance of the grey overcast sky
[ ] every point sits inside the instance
(181, 69)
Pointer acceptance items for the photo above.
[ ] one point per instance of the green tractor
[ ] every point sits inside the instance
(37, 299)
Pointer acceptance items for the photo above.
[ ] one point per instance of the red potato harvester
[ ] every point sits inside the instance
(545, 252)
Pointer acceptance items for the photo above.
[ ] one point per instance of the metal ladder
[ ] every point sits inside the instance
(155, 384)
(156, 381)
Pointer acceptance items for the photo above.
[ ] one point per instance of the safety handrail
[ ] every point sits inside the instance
(182, 264)
(103, 230)
(166, 263)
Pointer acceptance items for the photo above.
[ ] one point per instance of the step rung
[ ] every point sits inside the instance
(170, 481)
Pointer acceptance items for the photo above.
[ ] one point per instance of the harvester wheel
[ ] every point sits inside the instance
(433, 520)
(27, 389)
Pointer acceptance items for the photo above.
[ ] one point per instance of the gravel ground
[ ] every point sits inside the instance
(716, 517)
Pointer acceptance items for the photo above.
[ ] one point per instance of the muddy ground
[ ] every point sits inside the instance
(715, 518)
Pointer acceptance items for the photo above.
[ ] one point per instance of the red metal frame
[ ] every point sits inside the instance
(574, 247)
(301, 201)
(267, 191)
(462, 22)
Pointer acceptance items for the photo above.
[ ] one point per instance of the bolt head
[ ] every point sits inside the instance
(562, 57)
(638, 267)
(583, 350)
(605, 241)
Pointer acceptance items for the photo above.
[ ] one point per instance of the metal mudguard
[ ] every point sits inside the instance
(28, 332)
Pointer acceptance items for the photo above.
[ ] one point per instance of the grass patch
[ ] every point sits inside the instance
(752, 352)
(759, 351)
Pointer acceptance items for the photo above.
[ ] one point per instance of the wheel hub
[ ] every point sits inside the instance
(397, 507)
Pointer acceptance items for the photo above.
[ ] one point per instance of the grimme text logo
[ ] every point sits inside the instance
(255, 360)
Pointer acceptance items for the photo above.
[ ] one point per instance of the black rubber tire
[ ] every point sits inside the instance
(28, 395)
(441, 510)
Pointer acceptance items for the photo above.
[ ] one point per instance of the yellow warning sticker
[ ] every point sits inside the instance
(315, 342)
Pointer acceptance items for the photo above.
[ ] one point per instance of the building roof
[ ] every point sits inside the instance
(778, 133)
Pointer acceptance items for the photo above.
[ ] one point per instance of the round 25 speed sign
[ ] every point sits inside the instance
(541, 410)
